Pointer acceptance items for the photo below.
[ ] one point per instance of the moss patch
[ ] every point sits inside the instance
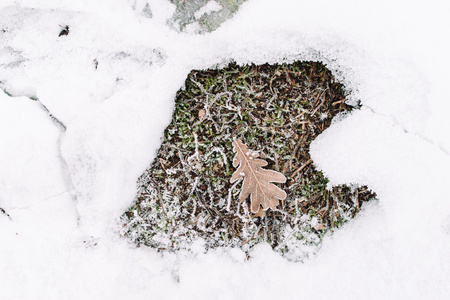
(189, 15)
(276, 110)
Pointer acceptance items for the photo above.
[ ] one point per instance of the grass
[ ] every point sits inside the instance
(277, 110)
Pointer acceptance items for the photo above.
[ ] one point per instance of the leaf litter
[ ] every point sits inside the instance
(187, 193)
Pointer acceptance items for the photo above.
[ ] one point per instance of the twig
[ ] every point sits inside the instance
(159, 199)
(252, 238)
(175, 147)
(288, 163)
(234, 132)
(338, 102)
(357, 200)
(301, 168)
(321, 103)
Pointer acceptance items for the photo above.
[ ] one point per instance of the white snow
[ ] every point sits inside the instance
(64, 189)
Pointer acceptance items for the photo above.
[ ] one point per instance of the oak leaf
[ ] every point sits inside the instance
(257, 181)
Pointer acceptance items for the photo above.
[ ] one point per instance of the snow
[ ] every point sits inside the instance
(64, 189)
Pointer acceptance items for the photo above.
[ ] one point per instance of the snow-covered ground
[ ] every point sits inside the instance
(69, 160)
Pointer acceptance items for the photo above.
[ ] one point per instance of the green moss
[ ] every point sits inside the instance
(186, 10)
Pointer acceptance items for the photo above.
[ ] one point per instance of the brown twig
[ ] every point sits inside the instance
(301, 168)
(338, 102)
(234, 132)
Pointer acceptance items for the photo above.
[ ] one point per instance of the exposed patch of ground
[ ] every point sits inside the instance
(277, 110)
(202, 16)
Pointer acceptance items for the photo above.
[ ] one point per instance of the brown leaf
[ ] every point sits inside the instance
(257, 181)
